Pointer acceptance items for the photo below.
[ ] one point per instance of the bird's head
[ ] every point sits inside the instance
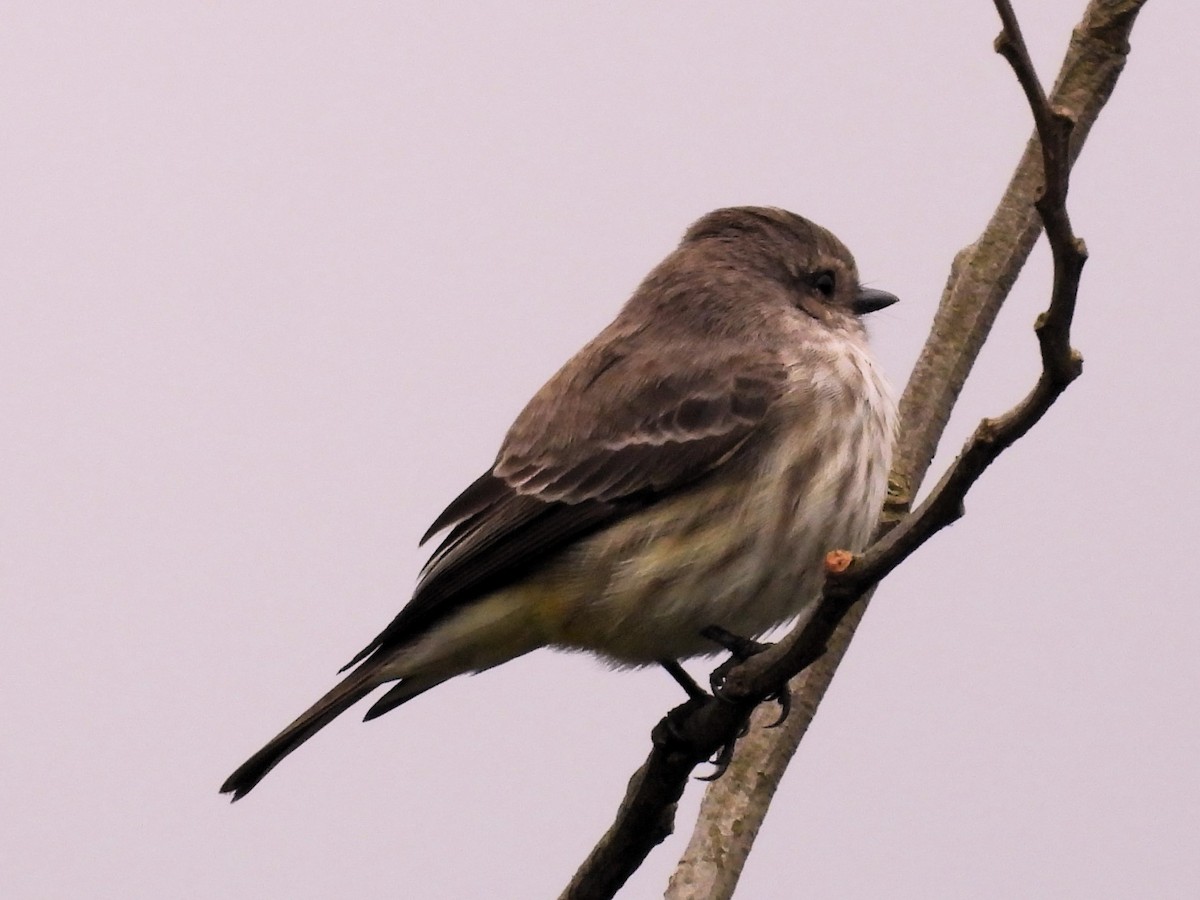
(816, 269)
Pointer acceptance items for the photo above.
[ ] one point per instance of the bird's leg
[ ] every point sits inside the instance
(741, 649)
(686, 681)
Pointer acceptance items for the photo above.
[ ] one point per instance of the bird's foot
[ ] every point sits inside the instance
(720, 762)
(678, 728)
(741, 649)
(675, 726)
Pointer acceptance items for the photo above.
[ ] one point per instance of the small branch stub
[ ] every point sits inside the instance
(838, 561)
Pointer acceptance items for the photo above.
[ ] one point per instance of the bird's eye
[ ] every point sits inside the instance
(825, 282)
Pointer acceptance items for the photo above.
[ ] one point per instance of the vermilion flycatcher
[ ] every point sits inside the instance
(690, 467)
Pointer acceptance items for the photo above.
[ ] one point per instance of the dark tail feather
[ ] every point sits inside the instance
(348, 691)
(401, 693)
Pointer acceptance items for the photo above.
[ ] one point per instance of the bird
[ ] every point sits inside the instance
(687, 470)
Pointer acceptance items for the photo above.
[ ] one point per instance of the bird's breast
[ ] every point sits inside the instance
(744, 547)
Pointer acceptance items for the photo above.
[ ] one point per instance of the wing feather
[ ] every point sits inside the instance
(608, 435)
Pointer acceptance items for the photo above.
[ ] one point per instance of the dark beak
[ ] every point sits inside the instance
(870, 300)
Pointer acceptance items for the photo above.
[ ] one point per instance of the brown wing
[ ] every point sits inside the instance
(613, 431)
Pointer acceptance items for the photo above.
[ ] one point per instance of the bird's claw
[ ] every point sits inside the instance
(721, 760)
(740, 650)
(672, 730)
(784, 698)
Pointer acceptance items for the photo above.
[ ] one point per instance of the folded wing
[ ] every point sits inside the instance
(613, 431)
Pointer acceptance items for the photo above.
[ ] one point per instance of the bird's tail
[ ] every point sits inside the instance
(345, 694)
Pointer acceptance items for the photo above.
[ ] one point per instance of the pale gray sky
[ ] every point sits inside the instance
(275, 280)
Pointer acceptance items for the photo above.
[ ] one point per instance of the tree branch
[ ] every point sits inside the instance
(980, 279)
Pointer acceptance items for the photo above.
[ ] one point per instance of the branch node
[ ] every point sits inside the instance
(898, 502)
(1064, 118)
(985, 432)
(838, 561)
(1074, 364)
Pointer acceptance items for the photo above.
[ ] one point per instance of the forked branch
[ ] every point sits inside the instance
(692, 733)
